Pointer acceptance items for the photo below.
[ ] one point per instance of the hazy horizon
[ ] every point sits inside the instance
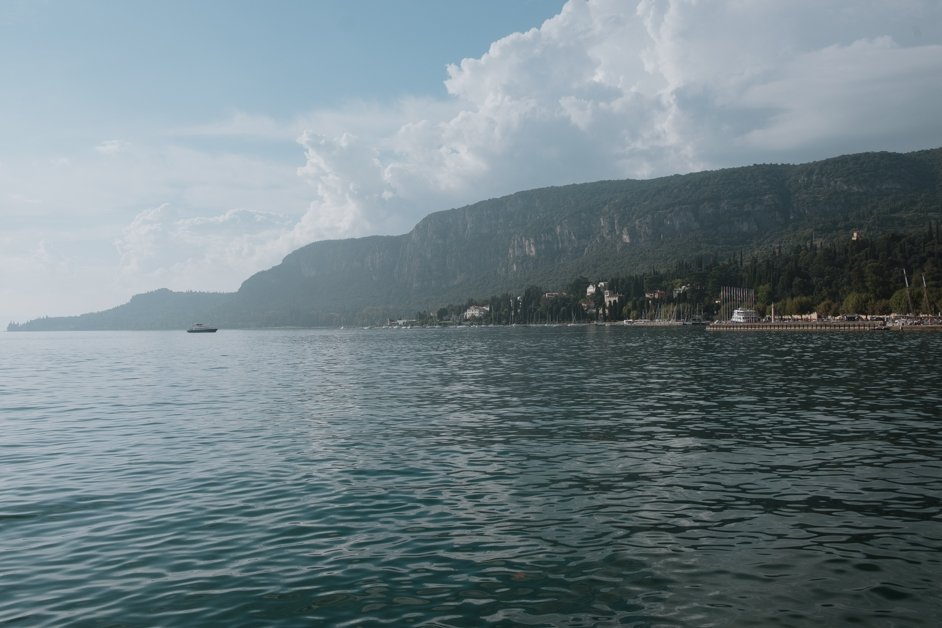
(171, 145)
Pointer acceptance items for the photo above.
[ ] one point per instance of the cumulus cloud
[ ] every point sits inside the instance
(166, 247)
(346, 178)
(76, 239)
(605, 89)
(609, 89)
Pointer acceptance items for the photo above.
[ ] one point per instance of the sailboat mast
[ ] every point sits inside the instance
(925, 295)
(909, 297)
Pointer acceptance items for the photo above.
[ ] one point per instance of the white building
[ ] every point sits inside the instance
(477, 311)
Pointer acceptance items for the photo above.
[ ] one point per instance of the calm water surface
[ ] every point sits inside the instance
(514, 476)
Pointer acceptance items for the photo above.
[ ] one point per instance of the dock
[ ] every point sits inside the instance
(806, 326)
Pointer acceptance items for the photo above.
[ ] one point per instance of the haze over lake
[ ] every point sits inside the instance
(168, 144)
(527, 475)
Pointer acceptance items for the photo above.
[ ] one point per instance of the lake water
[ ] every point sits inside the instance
(514, 476)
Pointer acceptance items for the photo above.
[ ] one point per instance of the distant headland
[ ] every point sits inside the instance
(831, 235)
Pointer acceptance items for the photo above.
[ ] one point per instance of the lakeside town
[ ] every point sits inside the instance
(887, 282)
(736, 311)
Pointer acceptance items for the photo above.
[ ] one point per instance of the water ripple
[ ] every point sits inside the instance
(528, 476)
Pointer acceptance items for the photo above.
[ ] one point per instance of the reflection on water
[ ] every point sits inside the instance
(536, 476)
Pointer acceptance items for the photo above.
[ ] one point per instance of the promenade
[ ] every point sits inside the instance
(805, 326)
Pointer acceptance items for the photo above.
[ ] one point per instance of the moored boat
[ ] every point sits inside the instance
(200, 328)
(744, 315)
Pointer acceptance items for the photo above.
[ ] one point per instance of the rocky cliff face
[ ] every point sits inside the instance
(551, 235)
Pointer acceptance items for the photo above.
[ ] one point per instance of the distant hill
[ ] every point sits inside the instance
(160, 309)
(549, 236)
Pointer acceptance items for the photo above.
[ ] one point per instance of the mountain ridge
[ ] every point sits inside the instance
(550, 235)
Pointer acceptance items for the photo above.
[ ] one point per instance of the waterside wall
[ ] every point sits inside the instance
(799, 326)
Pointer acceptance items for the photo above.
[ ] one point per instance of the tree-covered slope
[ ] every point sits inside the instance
(160, 309)
(550, 235)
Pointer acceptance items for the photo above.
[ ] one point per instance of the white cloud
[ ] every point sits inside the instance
(112, 147)
(164, 247)
(219, 217)
(345, 178)
(611, 90)
(74, 188)
(605, 89)
(835, 82)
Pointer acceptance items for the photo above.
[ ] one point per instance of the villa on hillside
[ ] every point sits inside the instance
(476, 311)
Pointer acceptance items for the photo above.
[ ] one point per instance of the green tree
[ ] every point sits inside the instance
(577, 287)
(764, 296)
(827, 308)
(856, 303)
(899, 302)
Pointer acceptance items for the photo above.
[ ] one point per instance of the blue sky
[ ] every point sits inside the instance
(126, 67)
(150, 144)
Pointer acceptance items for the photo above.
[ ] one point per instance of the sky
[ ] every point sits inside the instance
(150, 144)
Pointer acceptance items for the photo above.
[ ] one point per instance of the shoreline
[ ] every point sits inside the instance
(817, 326)
(805, 326)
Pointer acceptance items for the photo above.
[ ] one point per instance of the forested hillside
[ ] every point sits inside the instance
(863, 276)
(550, 236)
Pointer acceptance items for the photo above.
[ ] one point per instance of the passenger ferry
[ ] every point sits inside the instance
(744, 315)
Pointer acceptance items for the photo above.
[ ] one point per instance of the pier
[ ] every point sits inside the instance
(928, 327)
(806, 326)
